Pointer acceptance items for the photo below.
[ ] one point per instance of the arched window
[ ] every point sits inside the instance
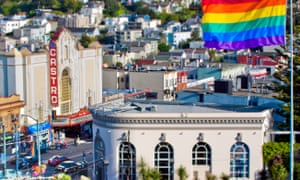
(164, 160)
(239, 160)
(127, 161)
(65, 92)
(201, 154)
(99, 149)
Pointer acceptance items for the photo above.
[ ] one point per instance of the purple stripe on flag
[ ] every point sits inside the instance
(253, 43)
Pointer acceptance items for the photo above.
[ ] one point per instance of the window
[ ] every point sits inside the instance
(66, 52)
(239, 160)
(201, 154)
(163, 160)
(99, 149)
(127, 161)
(66, 92)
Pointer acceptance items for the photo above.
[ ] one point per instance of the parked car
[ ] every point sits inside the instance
(58, 145)
(56, 159)
(70, 166)
(25, 161)
(12, 158)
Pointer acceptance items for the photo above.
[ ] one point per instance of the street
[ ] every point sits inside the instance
(71, 151)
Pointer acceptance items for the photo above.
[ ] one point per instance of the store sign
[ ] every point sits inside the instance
(53, 74)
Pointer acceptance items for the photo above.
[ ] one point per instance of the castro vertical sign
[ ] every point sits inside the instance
(53, 74)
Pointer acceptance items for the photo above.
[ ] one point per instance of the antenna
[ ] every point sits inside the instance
(249, 62)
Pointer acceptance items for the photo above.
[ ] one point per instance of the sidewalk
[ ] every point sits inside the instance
(70, 141)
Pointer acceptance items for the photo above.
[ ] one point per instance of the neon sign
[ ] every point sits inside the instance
(53, 74)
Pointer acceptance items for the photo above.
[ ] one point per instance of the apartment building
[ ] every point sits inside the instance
(8, 24)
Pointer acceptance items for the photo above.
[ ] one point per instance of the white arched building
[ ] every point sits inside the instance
(201, 138)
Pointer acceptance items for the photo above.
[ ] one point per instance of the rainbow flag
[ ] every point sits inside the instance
(243, 24)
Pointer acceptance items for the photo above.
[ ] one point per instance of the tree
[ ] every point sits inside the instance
(210, 176)
(181, 172)
(142, 168)
(212, 54)
(275, 149)
(297, 171)
(278, 172)
(162, 47)
(86, 40)
(153, 174)
(113, 8)
(225, 176)
(147, 173)
(195, 36)
(71, 6)
(284, 93)
(62, 176)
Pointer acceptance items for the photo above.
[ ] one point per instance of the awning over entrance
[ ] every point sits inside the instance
(81, 117)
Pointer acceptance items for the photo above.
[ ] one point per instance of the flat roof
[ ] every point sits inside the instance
(148, 106)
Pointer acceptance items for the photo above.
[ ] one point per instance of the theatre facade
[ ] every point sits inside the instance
(57, 83)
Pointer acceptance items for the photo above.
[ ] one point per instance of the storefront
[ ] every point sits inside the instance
(45, 134)
(77, 124)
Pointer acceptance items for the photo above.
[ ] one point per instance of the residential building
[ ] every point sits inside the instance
(76, 21)
(138, 47)
(178, 134)
(115, 79)
(8, 24)
(163, 83)
(200, 54)
(37, 31)
(79, 31)
(94, 11)
(126, 35)
(175, 38)
(7, 44)
(164, 7)
(111, 58)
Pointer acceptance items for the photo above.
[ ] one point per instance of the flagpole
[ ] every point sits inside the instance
(291, 95)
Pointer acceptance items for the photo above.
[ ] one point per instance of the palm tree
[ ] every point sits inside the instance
(154, 174)
(181, 172)
(148, 173)
(142, 169)
(225, 176)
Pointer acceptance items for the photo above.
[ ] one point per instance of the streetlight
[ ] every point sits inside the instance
(37, 136)
(16, 145)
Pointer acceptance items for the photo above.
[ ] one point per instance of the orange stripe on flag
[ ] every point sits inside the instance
(240, 7)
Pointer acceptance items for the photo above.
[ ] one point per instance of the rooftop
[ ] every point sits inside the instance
(150, 106)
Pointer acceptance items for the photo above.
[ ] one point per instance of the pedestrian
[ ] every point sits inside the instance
(78, 140)
(83, 156)
(24, 146)
(75, 142)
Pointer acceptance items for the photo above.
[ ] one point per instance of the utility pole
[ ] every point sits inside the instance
(4, 150)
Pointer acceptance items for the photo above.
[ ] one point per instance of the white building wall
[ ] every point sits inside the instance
(183, 137)
(7, 26)
(85, 69)
(181, 36)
